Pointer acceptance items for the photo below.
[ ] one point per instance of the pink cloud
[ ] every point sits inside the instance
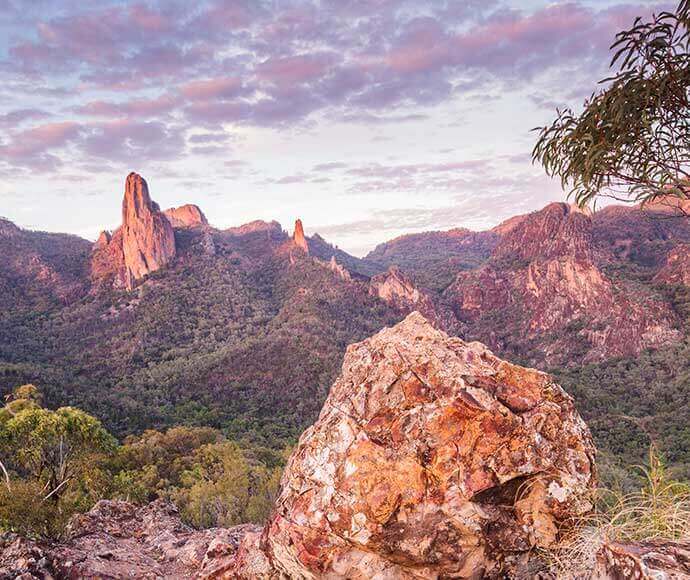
(219, 88)
(295, 69)
(134, 108)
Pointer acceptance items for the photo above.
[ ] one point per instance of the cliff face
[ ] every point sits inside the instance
(544, 282)
(143, 244)
(298, 237)
(431, 458)
(676, 270)
(186, 216)
(148, 240)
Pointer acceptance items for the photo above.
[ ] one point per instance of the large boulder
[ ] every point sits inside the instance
(431, 458)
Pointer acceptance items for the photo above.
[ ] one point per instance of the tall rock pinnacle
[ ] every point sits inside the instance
(298, 236)
(148, 240)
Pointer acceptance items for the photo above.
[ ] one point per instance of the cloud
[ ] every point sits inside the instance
(32, 148)
(19, 116)
(185, 66)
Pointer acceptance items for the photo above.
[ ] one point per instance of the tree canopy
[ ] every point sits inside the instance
(631, 142)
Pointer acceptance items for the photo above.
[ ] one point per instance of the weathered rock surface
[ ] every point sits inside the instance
(654, 560)
(677, 267)
(339, 270)
(118, 540)
(298, 236)
(186, 216)
(431, 457)
(143, 244)
(148, 240)
(543, 282)
(395, 288)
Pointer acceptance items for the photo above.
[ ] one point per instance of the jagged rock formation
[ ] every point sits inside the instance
(544, 282)
(677, 267)
(395, 288)
(148, 241)
(431, 457)
(119, 540)
(652, 560)
(339, 270)
(298, 236)
(186, 216)
(143, 244)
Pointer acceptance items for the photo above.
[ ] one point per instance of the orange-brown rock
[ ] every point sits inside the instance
(298, 236)
(143, 244)
(431, 458)
(148, 240)
(677, 267)
(186, 216)
(651, 560)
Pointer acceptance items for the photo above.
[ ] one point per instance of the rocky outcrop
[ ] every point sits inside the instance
(339, 270)
(431, 458)
(148, 240)
(119, 540)
(298, 237)
(395, 288)
(543, 285)
(652, 560)
(186, 216)
(143, 244)
(677, 267)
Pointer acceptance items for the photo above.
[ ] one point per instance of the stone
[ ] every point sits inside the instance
(543, 280)
(651, 560)
(117, 539)
(148, 240)
(431, 458)
(398, 290)
(186, 216)
(144, 243)
(298, 236)
(676, 270)
(339, 270)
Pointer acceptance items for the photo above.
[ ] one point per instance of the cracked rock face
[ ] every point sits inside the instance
(143, 244)
(431, 457)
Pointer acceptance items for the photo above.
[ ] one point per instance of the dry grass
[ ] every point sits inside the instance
(659, 510)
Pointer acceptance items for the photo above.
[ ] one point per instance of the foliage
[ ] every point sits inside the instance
(632, 140)
(630, 403)
(51, 462)
(214, 482)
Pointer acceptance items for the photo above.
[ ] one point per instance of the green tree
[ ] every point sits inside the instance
(50, 462)
(632, 140)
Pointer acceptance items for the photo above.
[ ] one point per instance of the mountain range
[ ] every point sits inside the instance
(169, 320)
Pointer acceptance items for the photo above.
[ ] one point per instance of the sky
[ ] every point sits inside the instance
(368, 119)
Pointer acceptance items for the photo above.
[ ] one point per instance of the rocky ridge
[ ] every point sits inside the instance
(186, 216)
(544, 279)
